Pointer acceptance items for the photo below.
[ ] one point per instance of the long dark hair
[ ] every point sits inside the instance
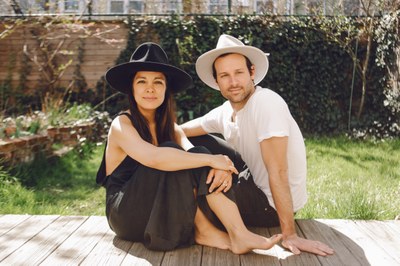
(165, 119)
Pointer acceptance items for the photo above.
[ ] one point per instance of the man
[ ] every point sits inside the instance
(257, 123)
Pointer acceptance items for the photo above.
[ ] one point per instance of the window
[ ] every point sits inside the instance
(173, 6)
(218, 6)
(43, 5)
(126, 6)
(117, 6)
(351, 7)
(316, 7)
(265, 6)
(71, 5)
(243, 2)
(135, 6)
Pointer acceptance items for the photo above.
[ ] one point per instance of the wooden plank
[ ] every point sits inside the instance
(100, 67)
(183, 256)
(82, 240)
(216, 256)
(110, 250)
(288, 258)
(46, 241)
(118, 45)
(139, 255)
(362, 246)
(344, 255)
(102, 52)
(75, 248)
(394, 224)
(17, 48)
(382, 235)
(102, 61)
(16, 237)
(260, 257)
(9, 221)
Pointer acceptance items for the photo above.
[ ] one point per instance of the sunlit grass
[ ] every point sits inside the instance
(347, 179)
(352, 179)
(63, 186)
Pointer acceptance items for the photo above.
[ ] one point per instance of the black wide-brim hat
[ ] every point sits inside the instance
(147, 57)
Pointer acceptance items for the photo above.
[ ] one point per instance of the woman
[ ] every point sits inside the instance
(160, 190)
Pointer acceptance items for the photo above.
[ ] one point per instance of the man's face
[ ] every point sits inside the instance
(234, 79)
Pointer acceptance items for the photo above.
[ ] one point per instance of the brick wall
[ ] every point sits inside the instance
(25, 149)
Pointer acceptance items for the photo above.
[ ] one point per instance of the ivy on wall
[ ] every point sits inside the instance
(313, 73)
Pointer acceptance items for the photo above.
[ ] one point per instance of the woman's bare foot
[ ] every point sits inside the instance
(207, 234)
(212, 238)
(246, 241)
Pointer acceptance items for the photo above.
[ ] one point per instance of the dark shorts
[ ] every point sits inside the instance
(253, 204)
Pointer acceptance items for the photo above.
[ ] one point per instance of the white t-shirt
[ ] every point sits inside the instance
(265, 115)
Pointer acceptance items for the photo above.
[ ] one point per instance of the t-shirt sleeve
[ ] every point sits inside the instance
(212, 121)
(271, 116)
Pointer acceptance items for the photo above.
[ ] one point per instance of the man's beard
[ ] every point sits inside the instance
(243, 96)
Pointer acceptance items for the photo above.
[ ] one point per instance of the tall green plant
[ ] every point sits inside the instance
(388, 58)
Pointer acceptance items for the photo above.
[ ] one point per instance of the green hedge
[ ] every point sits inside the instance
(309, 68)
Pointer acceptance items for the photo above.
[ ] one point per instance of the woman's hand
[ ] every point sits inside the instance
(222, 162)
(221, 180)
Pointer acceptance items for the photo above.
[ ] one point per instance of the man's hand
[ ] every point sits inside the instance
(221, 180)
(297, 244)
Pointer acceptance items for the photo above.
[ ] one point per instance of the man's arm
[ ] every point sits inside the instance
(193, 128)
(274, 154)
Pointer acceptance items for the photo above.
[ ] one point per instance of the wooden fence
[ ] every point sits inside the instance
(101, 43)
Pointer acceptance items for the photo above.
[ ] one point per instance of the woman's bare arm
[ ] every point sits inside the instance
(122, 135)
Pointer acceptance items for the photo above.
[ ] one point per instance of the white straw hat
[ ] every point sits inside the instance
(229, 44)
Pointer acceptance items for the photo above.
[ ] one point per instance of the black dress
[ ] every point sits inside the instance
(153, 206)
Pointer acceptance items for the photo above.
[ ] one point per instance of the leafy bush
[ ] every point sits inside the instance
(23, 125)
(311, 67)
(37, 122)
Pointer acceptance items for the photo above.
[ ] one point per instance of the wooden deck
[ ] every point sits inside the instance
(73, 240)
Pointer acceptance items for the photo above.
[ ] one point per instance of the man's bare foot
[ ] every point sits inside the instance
(213, 238)
(246, 241)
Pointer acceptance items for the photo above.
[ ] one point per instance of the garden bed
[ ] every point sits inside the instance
(25, 149)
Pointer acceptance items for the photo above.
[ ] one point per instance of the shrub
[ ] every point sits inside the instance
(311, 67)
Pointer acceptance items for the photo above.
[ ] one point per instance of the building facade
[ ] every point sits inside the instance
(124, 7)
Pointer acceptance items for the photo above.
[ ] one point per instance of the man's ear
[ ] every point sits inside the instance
(252, 71)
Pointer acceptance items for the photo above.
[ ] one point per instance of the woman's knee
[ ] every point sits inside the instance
(212, 143)
(199, 149)
(170, 144)
(217, 145)
(196, 149)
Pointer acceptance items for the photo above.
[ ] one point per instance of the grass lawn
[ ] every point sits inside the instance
(346, 179)
(64, 186)
(352, 179)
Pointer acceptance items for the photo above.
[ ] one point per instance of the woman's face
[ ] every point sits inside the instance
(148, 90)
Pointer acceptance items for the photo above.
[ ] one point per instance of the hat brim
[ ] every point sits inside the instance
(120, 77)
(204, 63)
